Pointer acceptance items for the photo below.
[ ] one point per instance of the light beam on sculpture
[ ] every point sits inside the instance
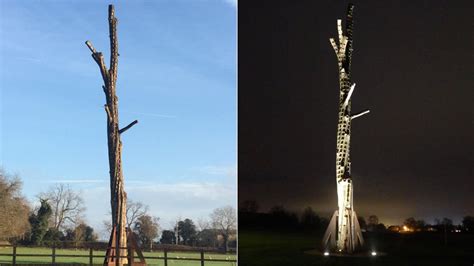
(343, 233)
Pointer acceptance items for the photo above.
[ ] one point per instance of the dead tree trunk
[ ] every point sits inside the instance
(117, 252)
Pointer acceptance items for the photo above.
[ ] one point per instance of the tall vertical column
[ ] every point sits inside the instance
(117, 251)
(343, 233)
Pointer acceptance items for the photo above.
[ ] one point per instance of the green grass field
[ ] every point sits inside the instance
(257, 248)
(6, 260)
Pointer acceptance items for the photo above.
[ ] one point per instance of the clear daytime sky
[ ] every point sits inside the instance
(176, 76)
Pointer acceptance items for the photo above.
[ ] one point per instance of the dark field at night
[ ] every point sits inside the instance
(261, 248)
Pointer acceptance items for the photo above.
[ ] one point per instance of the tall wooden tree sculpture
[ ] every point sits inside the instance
(120, 251)
(343, 233)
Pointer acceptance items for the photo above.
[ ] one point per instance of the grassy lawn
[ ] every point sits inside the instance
(257, 248)
(6, 260)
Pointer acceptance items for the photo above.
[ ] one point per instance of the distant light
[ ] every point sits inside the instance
(374, 253)
(326, 253)
(340, 250)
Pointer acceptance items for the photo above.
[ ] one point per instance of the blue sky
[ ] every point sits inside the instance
(176, 75)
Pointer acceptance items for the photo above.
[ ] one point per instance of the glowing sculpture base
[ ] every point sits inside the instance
(343, 233)
(352, 241)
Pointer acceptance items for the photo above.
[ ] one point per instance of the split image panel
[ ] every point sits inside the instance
(224, 133)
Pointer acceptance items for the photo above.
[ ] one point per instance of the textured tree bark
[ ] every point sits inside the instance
(118, 197)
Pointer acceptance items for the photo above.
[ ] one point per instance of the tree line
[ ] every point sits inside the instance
(279, 218)
(59, 217)
(218, 231)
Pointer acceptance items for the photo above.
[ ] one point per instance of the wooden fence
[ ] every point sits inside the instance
(14, 255)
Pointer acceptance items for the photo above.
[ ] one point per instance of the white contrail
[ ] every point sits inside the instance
(71, 181)
(150, 114)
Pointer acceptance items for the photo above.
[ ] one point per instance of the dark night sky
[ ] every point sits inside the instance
(412, 63)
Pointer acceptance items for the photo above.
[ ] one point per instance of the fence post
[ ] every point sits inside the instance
(166, 257)
(91, 257)
(14, 256)
(202, 257)
(53, 255)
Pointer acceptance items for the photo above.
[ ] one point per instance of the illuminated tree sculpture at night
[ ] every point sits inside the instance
(343, 233)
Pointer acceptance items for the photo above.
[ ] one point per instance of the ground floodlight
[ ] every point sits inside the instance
(374, 253)
(326, 253)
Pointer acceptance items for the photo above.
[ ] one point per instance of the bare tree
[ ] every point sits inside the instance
(134, 211)
(67, 205)
(202, 224)
(224, 220)
(107, 227)
(118, 197)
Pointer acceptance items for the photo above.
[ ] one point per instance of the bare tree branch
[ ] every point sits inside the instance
(225, 221)
(134, 211)
(99, 59)
(128, 127)
(67, 205)
(202, 224)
